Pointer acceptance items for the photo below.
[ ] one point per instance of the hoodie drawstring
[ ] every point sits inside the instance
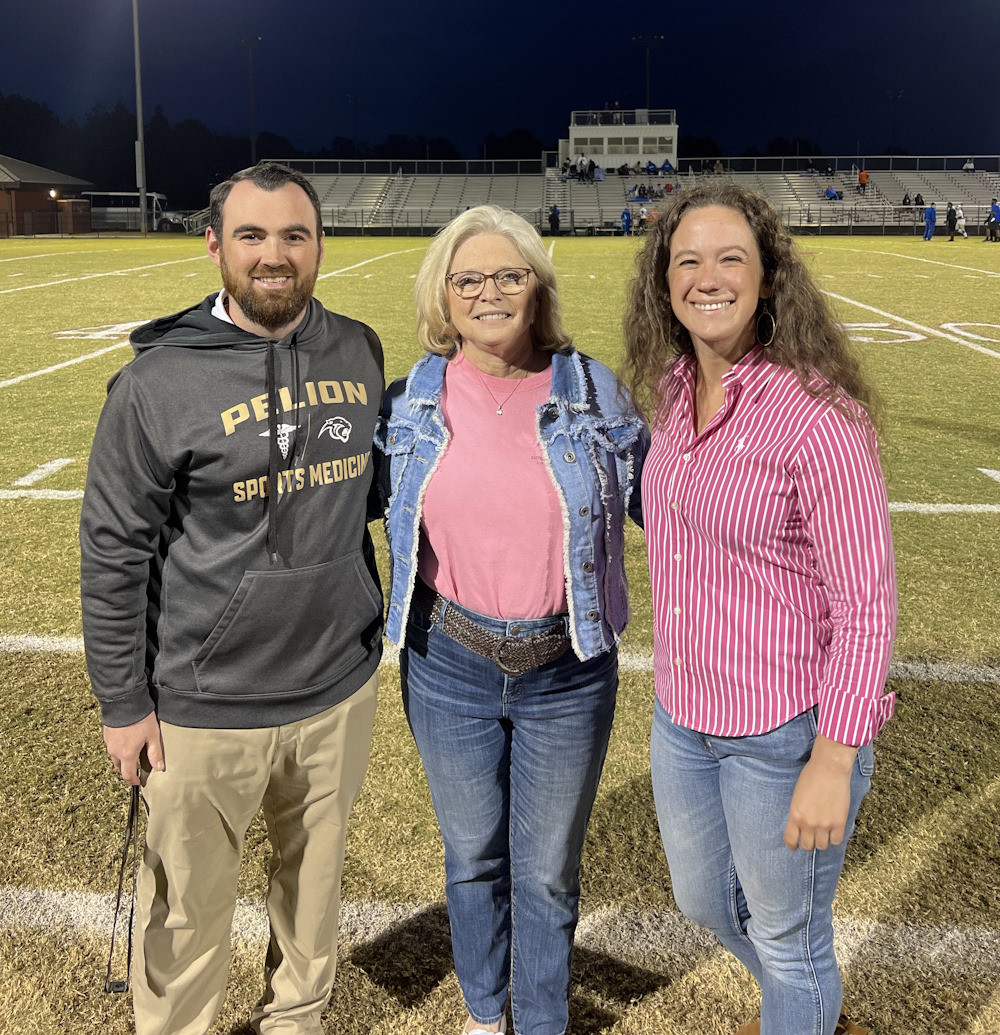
(270, 504)
(271, 499)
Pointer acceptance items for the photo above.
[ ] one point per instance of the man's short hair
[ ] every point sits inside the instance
(269, 176)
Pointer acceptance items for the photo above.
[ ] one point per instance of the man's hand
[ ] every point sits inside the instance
(126, 743)
(817, 817)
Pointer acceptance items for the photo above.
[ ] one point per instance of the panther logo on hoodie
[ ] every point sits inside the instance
(338, 428)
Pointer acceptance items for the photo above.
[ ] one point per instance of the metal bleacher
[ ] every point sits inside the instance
(402, 203)
(415, 202)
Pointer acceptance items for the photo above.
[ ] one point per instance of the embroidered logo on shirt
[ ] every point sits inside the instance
(338, 428)
(284, 437)
(741, 444)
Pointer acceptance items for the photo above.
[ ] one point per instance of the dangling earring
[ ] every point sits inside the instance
(767, 324)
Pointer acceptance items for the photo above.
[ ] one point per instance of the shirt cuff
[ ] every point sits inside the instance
(854, 719)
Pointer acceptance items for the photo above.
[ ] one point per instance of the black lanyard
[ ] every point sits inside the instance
(131, 836)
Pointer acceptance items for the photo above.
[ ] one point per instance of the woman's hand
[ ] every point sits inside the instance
(817, 817)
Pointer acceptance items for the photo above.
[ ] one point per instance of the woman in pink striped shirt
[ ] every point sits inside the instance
(773, 583)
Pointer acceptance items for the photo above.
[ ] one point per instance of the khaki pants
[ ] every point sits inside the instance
(307, 776)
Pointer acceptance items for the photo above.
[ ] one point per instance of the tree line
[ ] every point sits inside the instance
(185, 159)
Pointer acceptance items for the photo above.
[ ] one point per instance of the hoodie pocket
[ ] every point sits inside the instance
(289, 633)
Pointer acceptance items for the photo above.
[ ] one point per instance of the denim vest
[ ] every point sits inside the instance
(594, 445)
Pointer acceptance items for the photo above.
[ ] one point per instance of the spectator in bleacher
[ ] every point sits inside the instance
(651, 169)
(863, 181)
(969, 166)
(960, 221)
(564, 171)
(510, 460)
(554, 220)
(718, 167)
(829, 170)
(831, 193)
(907, 200)
(951, 221)
(930, 220)
(918, 200)
(773, 587)
(598, 174)
(666, 169)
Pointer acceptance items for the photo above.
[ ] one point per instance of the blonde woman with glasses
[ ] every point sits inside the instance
(509, 463)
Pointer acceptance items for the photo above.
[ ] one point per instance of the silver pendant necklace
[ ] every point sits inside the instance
(501, 403)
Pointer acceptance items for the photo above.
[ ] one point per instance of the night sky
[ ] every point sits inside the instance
(866, 75)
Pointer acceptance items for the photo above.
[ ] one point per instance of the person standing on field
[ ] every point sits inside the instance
(930, 220)
(232, 612)
(951, 219)
(773, 590)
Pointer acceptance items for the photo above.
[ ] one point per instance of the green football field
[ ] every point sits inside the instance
(918, 914)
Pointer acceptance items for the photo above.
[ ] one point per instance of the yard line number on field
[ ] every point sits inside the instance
(953, 334)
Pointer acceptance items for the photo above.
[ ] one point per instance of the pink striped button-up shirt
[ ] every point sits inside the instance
(770, 555)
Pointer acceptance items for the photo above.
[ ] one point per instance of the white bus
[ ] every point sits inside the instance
(119, 210)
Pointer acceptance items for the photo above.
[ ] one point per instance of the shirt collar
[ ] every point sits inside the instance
(220, 310)
(749, 374)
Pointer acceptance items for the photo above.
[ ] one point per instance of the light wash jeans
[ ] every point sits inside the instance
(513, 764)
(722, 805)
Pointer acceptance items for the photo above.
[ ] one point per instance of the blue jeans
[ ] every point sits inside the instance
(722, 805)
(513, 764)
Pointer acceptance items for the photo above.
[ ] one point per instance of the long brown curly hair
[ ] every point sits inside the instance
(807, 338)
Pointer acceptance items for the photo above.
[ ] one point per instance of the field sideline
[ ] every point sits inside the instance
(918, 914)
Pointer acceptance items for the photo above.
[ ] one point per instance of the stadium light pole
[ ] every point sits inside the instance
(140, 140)
(648, 42)
(251, 43)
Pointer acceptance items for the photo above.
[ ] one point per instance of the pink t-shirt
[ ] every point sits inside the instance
(491, 527)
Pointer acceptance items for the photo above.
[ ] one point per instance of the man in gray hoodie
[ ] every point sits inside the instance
(232, 611)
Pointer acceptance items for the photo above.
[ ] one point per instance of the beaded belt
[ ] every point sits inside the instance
(513, 655)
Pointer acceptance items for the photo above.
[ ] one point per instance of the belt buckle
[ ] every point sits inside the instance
(504, 666)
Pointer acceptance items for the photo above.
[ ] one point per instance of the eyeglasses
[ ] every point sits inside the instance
(469, 283)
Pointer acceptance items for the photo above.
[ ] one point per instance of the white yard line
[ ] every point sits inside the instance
(945, 508)
(364, 262)
(921, 258)
(107, 273)
(42, 472)
(41, 494)
(666, 936)
(60, 366)
(122, 344)
(40, 255)
(931, 332)
(896, 508)
(628, 661)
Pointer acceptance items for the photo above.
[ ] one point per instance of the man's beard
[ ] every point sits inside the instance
(269, 309)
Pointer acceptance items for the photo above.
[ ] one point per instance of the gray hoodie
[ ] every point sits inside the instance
(227, 575)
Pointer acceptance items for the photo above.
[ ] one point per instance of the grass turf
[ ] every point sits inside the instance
(927, 850)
